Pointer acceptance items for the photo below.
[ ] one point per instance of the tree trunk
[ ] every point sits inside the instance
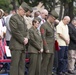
(14, 4)
(54, 4)
(61, 10)
(20, 1)
(66, 9)
(71, 8)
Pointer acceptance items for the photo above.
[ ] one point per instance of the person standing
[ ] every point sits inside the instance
(42, 16)
(47, 33)
(8, 31)
(36, 14)
(18, 41)
(72, 47)
(35, 48)
(28, 18)
(55, 65)
(63, 41)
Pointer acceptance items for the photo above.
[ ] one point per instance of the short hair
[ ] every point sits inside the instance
(44, 11)
(35, 20)
(66, 18)
(74, 19)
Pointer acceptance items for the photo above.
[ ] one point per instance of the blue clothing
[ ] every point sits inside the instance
(62, 59)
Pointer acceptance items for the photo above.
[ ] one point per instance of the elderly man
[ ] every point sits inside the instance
(43, 16)
(47, 33)
(18, 41)
(63, 41)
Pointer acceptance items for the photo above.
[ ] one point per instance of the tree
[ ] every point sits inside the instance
(49, 4)
(20, 1)
(4, 5)
(13, 2)
(61, 10)
(68, 8)
(67, 5)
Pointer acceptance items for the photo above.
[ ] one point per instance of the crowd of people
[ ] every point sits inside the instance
(49, 42)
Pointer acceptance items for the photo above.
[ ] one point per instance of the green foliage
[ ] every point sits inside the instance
(74, 12)
(30, 2)
(4, 4)
(66, 1)
(69, 1)
(49, 4)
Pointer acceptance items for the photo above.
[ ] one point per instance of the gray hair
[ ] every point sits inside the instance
(74, 20)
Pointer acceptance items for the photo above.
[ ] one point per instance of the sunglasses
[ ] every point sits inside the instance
(46, 15)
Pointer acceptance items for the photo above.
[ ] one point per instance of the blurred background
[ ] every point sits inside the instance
(63, 7)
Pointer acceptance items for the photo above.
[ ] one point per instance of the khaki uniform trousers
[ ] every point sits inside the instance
(17, 62)
(35, 64)
(47, 64)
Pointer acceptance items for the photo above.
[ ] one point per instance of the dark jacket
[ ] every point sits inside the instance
(19, 32)
(72, 33)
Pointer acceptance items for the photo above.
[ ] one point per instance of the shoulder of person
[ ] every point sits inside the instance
(59, 25)
(14, 17)
(69, 25)
(44, 24)
(31, 29)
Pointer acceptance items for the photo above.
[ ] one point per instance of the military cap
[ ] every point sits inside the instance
(30, 9)
(37, 19)
(54, 13)
(26, 7)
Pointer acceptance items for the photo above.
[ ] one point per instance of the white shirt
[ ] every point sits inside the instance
(1, 28)
(42, 21)
(8, 30)
(62, 29)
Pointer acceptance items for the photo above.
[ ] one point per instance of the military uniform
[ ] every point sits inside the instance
(19, 31)
(47, 33)
(35, 45)
(17, 47)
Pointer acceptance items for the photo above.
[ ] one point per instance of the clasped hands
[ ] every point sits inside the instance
(41, 51)
(25, 41)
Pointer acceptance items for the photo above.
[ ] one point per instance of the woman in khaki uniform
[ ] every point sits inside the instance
(35, 48)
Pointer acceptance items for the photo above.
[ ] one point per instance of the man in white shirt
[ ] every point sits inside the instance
(63, 41)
